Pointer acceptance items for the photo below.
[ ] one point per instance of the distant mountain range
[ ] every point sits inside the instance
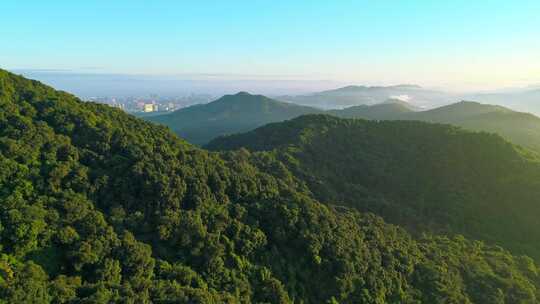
(390, 109)
(369, 95)
(522, 99)
(526, 100)
(229, 114)
(243, 112)
(518, 127)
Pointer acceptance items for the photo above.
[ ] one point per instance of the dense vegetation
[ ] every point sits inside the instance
(244, 112)
(97, 206)
(520, 128)
(390, 109)
(425, 177)
(525, 99)
(230, 114)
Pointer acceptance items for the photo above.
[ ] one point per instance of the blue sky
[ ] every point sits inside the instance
(454, 44)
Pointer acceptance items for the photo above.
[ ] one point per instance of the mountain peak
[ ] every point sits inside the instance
(478, 105)
(243, 93)
(243, 97)
(229, 114)
(406, 86)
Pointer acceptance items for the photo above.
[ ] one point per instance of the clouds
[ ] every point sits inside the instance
(402, 97)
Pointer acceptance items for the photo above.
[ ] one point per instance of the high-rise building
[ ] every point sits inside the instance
(148, 107)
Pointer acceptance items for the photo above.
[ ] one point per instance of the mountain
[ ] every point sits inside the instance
(364, 95)
(425, 177)
(520, 128)
(230, 114)
(526, 100)
(243, 112)
(390, 109)
(458, 112)
(97, 206)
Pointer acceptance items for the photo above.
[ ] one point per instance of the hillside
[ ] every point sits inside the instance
(244, 112)
(97, 206)
(454, 113)
(230, 114)
(368, 95)
(520, 128)
(390, 109)
(526, 99)
(425, 177)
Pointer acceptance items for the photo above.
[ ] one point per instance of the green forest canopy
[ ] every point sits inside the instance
(244, 112)
(229, 114)
(97, 206)
(519, 128)
(425, 177)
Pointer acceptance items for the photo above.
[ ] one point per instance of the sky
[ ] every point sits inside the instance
(457, 45)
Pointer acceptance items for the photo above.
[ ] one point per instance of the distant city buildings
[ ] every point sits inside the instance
(153, 103)
(150, 107)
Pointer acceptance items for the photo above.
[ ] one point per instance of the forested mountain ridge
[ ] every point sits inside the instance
(425, 177)
(524, 99)
(244, 112)
(459, 111)
(229, 114)
(97, 206)
(390, 109)
(520, 128)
